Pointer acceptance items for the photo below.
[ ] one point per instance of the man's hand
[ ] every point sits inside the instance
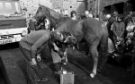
(55, 47)
(33, 62)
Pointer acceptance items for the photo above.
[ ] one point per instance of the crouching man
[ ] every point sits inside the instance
(30, 45)
(34, 42)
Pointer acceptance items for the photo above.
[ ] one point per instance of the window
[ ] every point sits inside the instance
(8, 7)
(1, 6)
(17, 7)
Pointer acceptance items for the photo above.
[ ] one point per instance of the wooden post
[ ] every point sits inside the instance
(98, 10)
(86, 4)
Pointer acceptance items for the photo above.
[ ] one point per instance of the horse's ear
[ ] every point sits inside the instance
(39, 5)
(40, 8)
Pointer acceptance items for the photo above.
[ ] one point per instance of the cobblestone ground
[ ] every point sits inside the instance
(112, 74)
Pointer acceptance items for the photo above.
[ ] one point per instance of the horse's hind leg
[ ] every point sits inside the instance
(94, 53)
(103, 52)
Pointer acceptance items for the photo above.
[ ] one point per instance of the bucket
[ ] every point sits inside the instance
(67, 78)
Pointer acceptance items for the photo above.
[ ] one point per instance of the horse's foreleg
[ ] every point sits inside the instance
(94, 53)
(65, 57)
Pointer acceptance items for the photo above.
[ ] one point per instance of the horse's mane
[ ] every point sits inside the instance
(49, 12)
(54, 17)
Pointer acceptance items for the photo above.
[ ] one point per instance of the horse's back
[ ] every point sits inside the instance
(87, 28)
(94, 27)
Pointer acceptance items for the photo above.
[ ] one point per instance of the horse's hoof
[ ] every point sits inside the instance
(92, 75)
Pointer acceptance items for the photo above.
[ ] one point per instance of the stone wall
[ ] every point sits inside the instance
(32, 5)
(58, 5)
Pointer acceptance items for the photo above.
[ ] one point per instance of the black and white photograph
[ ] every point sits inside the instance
(67, 42)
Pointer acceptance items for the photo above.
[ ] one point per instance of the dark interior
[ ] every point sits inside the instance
(122, 8)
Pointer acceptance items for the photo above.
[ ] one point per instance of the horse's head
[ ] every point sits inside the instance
(42, 12)
(64, 37)
(69, 38)
(57, 35)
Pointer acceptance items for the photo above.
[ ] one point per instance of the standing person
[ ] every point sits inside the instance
(32, 24)
(133, 57)
(128, 17)
(88, 14)
(97, 17)
(111, 20)
(130, 28)
(73, 15)
(115, 15)
(118, 29)
(66, 13)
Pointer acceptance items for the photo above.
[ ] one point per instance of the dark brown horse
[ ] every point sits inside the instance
(94, 33)
(90, 30)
